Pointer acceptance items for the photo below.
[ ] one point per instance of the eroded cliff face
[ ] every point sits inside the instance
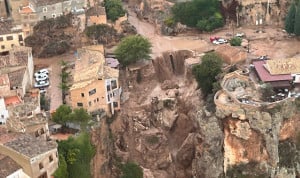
(256, 135)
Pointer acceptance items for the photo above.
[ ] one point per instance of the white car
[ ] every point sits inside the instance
(41, 77)
(43, 83)
(220, 41)
(42, 71)
(240, 35)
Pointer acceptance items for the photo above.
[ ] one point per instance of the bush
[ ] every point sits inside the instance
(206, 72)
(250, 170)
(169, 21)
(78, 153)
(213, 22)
(114, 9)
(204, 14)
(131, 170)
(236, 41)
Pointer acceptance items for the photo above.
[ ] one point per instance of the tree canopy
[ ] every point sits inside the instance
(65, 114)
(76, 156)
(236, 41)
(114, 9)
(132, 49)
(204, 14)
(292, 20)
(206, 72)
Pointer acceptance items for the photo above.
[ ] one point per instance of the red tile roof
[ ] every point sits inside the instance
(265, 75)
(12, 100)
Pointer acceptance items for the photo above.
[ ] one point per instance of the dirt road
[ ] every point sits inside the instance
(165, 43)
(273, 42)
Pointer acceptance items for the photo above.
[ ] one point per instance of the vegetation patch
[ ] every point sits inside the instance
(235, 41)
(203, 14)
(75, 157)
(152, 139)
(249, 170)
(49, 37)
(132, 49)
(131, 170)
(114, 9)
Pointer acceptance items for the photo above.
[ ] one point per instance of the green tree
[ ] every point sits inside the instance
(206, 72)
(131, 170)
(235, 41)
(80, 116)
(132, 49)
(78, 152)
(290, 19)
(62, 114)
(297, 21)
(114, 9)
(211, 23)
(62, 171)
(204, 14)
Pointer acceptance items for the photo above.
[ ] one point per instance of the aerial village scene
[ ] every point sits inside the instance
(149, 89)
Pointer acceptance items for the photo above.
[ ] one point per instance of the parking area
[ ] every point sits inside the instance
(53, 65)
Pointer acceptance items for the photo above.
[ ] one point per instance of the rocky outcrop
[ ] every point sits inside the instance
(255, 137)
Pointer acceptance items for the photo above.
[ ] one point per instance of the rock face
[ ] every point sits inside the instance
(255, 137)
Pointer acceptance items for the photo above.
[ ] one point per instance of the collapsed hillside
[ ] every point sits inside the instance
(164, 126)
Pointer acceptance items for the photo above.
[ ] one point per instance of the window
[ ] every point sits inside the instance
(12, 45)
(108, 98)
(41, 166)
(113, 84)
(2, 47)
(42, 131)
(92, 92)
(94, 100)
(90, 103)
(50, 158)
(21, 36)
(44, 9)
(108, 87)
(9, 38)
(1, 38)
(79, 104)
(82, 94)
(97, 99)
(115, 104)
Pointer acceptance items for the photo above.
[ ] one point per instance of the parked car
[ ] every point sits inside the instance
(220, 41)
(212, 39)
(41, 77)
(240, 35)
(42, 71)
(43, 83)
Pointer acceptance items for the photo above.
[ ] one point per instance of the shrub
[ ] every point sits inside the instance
(206, 72)
(236, 41)
(131, 170)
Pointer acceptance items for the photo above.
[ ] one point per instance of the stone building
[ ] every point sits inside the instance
(10, 36)
(96, 86)
(96, 15)
(10, 169)
(36, 156)
(18, 67)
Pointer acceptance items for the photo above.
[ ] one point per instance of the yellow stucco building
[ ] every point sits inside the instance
(96, 85)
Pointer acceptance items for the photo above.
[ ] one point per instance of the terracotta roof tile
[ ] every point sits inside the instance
(264, 74)
(284, 66)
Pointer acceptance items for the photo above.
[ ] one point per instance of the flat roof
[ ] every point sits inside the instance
(283, 66)
(264, 74)
(31, 146)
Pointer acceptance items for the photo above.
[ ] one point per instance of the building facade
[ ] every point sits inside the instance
(96, 86)
(10, 36)
(37, 157)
